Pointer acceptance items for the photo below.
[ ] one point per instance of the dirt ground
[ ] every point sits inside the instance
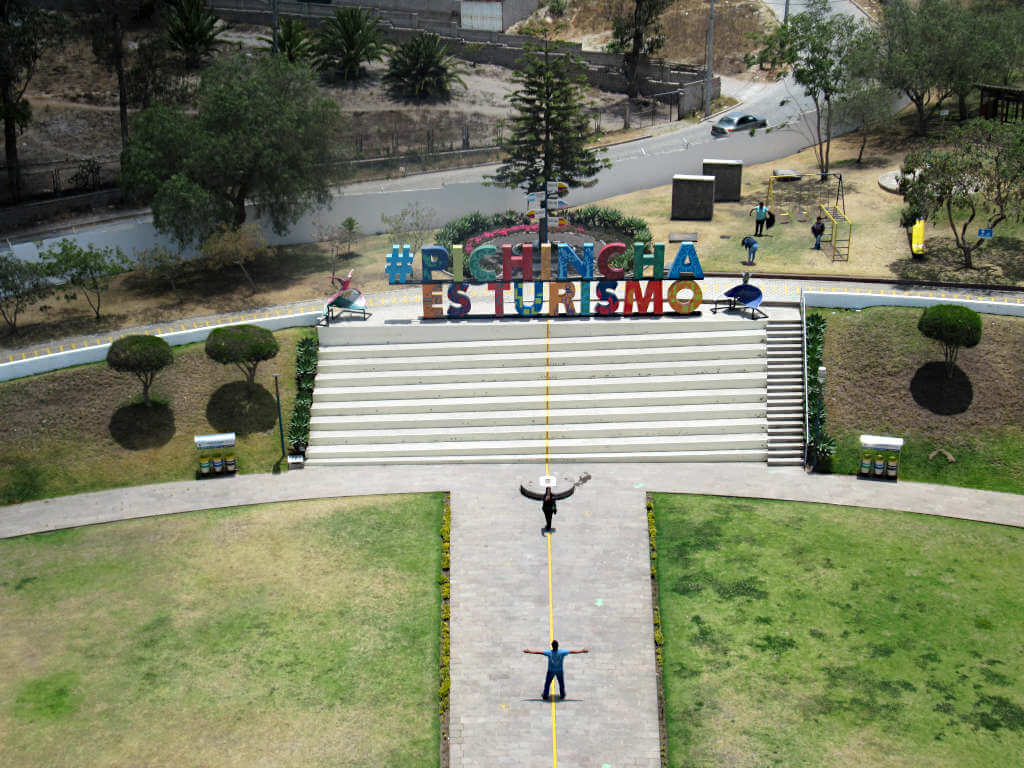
(684, 24)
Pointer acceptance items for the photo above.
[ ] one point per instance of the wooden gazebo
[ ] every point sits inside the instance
(1001, 102)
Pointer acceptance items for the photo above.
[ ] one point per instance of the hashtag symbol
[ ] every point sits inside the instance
(399, 265)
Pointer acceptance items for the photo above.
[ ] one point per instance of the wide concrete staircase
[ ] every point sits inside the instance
(666, 389)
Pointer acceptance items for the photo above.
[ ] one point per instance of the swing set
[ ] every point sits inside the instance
(803, 195)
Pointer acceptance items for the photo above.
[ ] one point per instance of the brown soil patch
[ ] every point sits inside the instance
(684, 23)
(870, 378)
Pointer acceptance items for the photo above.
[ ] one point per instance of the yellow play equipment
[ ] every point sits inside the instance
(917, 238)
(802, 195)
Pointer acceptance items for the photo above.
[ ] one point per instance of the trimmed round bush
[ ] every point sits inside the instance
(142, 356)
(954, 327)
(244, 346)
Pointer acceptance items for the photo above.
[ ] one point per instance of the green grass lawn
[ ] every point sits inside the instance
(292, 634)
(813, 635)
(878, 364)
(77, 430)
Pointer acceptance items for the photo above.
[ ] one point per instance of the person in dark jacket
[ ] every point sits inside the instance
(818, 229)
(550, 508)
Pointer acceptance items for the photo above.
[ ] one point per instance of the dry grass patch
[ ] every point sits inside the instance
(79, 429)
(287, 634)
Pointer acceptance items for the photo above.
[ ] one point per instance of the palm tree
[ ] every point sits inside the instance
(293, 40)
(422, 70)
(191, 30)
(347, 40)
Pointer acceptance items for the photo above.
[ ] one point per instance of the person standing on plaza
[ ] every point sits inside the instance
(760, 214)
(818, 229)
(549, 508)
(555, 659)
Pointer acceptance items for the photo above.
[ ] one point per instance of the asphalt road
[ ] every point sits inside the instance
(636, 165)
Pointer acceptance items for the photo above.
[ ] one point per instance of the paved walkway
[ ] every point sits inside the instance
(599, 595)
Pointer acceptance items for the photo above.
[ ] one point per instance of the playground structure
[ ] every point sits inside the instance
(346, 300)
(804, 195)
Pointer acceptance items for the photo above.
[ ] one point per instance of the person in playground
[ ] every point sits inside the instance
(818, 229)
(751, 245)
(760, 214)
(555, 659)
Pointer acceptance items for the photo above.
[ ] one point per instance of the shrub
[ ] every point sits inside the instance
(597, 217)
(244, 346)
(88, 269)
(557, 8)
(423, 70)
(820, 445)
(954, 327)
(306, 361)
(347, 40)
(142, 356)
(458, 231)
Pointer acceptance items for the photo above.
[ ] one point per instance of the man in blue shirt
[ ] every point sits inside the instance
(555, 659)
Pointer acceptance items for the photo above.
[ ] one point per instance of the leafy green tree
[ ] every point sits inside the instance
(143, 357)
(549, 130)
(636, 33)
(192, 31)
(865, 106)
(954, 327)
(978, 172)
(347, 40)
(22, 283)
(914, 53)
(199, 171)
(422, 70)
(26, 33)
(293, 41)
(350, 227)
(88, 269)
(161, 264)
(819, 49)
(244, 346)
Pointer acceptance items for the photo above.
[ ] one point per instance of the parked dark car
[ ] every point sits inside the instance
(737, 122)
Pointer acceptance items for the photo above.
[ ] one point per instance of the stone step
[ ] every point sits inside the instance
(567, 446)
(492, 359)
(786, 461)
(499, 331)
(543, 344)
(473, 401)
(378, 391)
(475, 376)
(539, 458)
(498, 418)
(610, 431)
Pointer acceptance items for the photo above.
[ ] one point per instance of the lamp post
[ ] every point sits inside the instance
(280, 420)
(708, 57)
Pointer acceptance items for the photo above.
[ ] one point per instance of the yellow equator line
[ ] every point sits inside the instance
(551, 636)
(547, 427)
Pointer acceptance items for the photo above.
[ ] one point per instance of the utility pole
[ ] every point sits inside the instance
(274, 3)
(708, 58)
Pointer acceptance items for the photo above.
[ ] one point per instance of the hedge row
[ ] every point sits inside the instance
(306, 360)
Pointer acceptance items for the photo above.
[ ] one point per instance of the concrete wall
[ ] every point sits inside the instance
(693, 197)
(22, 215)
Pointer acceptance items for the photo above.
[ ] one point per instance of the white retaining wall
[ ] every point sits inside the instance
(98, 352)
(862, 300)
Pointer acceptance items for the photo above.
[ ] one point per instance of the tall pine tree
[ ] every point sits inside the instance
(549, 130)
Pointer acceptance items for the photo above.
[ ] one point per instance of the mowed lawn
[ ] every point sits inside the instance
(299, 634)
(814, 635)
(83, 429)
(886, 378)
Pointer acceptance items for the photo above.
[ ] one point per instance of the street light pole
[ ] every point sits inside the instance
(708, 58)
(280, 420)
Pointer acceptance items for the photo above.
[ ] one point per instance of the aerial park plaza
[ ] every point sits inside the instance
(611, 292)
